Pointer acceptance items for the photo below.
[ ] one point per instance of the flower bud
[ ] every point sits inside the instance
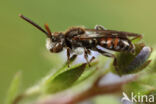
(128, 63)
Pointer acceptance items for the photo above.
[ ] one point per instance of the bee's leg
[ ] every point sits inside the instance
(86, 52)
(109, 55)
(91, 59)
(68, 55)
(100, 27)
(139, 37)
(89, 53)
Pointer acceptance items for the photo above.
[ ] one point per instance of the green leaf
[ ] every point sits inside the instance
(152, 66)
(136, 87)
(147, 79)
(13, 89)
(62, 69)
(85, 76)
(64, 80)
(89, 71)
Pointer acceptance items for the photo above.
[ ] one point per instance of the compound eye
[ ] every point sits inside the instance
(53, 39)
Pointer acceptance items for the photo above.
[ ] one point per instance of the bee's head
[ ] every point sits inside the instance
(55, 40)
(57, 36)
(55, 43)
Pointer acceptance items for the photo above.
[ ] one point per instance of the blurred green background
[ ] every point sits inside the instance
(22, 47)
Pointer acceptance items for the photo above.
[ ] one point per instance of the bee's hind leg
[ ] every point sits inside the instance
(109, 55)
(137, 37)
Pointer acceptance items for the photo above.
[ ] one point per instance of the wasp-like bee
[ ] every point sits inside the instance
(78, 39)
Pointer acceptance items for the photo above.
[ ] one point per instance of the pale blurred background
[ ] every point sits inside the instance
(22, 47)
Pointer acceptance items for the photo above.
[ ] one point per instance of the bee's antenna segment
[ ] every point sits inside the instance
(48, 29)
(34, 24)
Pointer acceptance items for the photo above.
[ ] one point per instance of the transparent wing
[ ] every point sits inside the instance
(113, 32)
(99, 34)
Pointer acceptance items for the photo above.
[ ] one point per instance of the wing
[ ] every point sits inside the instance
(91, 33)
(112, 33)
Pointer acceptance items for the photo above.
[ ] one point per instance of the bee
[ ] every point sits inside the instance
(80, 40)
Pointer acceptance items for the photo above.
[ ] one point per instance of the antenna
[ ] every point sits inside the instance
(48, 29)
(34, 24)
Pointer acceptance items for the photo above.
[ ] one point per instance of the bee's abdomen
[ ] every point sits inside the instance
(116, 44)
